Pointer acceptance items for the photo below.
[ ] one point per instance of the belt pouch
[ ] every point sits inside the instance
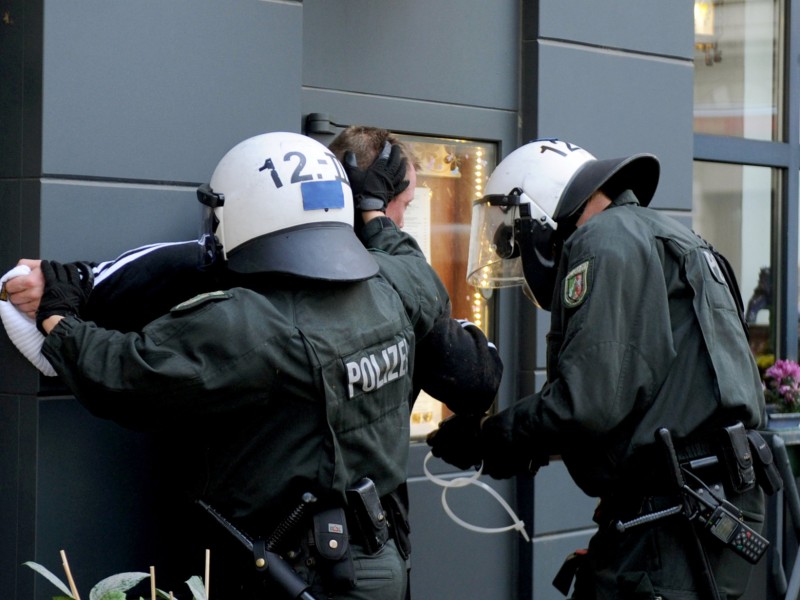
(767, 473)
(397, 514)
(368, 515)
(331, 541)
(737, 458)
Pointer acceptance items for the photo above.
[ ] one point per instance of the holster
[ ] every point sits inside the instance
(368, 517)
(747, 460)
(331, 542)
(396, 505)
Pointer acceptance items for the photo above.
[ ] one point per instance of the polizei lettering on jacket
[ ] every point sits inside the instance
(372, 371)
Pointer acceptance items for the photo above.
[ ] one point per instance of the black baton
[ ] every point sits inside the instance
(266, 561)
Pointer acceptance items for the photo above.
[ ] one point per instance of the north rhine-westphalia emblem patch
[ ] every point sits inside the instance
(576, 285)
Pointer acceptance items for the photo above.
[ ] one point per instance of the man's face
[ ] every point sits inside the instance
(396, 208)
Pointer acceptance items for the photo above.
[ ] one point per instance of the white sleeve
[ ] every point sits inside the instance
(21, 329)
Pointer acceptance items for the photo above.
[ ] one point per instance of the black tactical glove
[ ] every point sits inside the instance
(457, 441)
(507, 452)
(66, 287)
(376, 185)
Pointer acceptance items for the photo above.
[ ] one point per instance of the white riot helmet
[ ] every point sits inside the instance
(536, 189)
(281, 203)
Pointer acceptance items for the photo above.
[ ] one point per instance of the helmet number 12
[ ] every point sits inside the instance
(570, 147)
(298, 175)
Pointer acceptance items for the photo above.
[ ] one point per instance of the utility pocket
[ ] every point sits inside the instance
(331, 542)
(369, 517)
(767, 473)
(737, 459)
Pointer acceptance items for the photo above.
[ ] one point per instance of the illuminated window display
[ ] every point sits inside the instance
(451, 174)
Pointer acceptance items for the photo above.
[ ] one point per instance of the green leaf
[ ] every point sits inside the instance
(114, 587)
(197, 587)
(113, 595)
(162, 594)
(50, 577)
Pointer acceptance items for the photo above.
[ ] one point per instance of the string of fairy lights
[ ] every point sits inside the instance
(478, 301)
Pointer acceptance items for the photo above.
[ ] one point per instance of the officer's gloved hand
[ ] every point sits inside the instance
(507, 453)
(376, 185)
(457, 441)
(66, 287)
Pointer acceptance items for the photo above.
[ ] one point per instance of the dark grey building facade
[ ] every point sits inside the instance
(113, 112)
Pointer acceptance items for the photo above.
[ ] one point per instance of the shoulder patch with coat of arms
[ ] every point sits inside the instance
(576, 285)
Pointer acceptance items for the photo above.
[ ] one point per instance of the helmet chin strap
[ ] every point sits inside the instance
(537, 245)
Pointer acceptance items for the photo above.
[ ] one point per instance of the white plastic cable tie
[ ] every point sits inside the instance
(21, 329)
(458, 482)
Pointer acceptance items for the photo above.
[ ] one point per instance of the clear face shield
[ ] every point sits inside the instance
(494, 259)
(210, 248)
(504, 228)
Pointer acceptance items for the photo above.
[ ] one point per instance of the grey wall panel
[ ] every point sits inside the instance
(9, 464)
(647, 26)
(17, 239)
(103, 517)
(29, 217)
(18, 376)
(17, 526)
(560, 505)
(529, 324)
(450, 561)
(30, 98)
(439, 50)
(508, 301)
(11, 74)
(84, 221)
(413, 116)
(614, 104)
(542, 326)
(161, 90)
(11, 221)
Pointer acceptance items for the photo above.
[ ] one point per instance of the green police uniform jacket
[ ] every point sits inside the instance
(644, 334)
(455, 363)
(295, 387)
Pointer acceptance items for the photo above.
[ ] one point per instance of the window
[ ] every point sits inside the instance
(746, 113)
(737, 75)
(451, 174)
(733, 211)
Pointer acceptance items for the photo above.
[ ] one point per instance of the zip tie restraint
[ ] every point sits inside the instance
(458, 482)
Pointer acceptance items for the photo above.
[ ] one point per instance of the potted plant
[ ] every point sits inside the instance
(116, 586)
(781, 383)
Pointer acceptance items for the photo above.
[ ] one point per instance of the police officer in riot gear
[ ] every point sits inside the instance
(645, 337)
(293, 381)
(454, 362)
